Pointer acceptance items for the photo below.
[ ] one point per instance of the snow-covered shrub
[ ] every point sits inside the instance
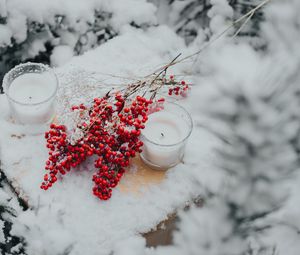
(194, 18)
(9, 244)
(282, 30)
(252, 29)
(256, 212)
(259, 123)
(42, 30)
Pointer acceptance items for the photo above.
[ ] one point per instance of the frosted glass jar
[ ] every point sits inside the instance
(165, 136)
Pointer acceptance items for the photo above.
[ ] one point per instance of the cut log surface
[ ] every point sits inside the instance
(140, 176)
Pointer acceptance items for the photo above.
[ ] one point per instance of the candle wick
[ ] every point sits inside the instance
(30, 97)
(162, 134)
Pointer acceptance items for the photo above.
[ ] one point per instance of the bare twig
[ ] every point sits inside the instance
(245, 17)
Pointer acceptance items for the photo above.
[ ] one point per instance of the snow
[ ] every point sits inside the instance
(124, 12)
(152, 54)
(219, 14)
(34, 27)
(36, 46)
(3, 11)
(134, 245)
(5, 35)
(69, 217)
(17, 24)
(232, 68)
(61, 54)
(2, 237)
(77, 13)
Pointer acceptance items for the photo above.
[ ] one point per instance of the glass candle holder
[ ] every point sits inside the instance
(31, 89)
(165, 136)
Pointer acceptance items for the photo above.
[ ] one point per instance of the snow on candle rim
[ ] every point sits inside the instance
(32, 88)
(166, 128)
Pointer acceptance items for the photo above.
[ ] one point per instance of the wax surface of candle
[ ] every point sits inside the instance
(30, 92)
(32, 88)
(164, 128)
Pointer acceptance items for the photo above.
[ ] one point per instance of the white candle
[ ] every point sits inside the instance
(163, 139)
(31, 97)
(32, 88)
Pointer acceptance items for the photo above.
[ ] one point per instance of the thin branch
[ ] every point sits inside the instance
(247, 16)
(243, 25)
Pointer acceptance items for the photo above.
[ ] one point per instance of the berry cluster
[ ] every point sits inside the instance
(178, 88)
(112, 134)
(109, 130)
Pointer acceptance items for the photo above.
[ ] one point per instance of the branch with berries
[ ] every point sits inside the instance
(108, 129)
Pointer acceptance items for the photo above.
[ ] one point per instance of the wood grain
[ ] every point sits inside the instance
(140, 176)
